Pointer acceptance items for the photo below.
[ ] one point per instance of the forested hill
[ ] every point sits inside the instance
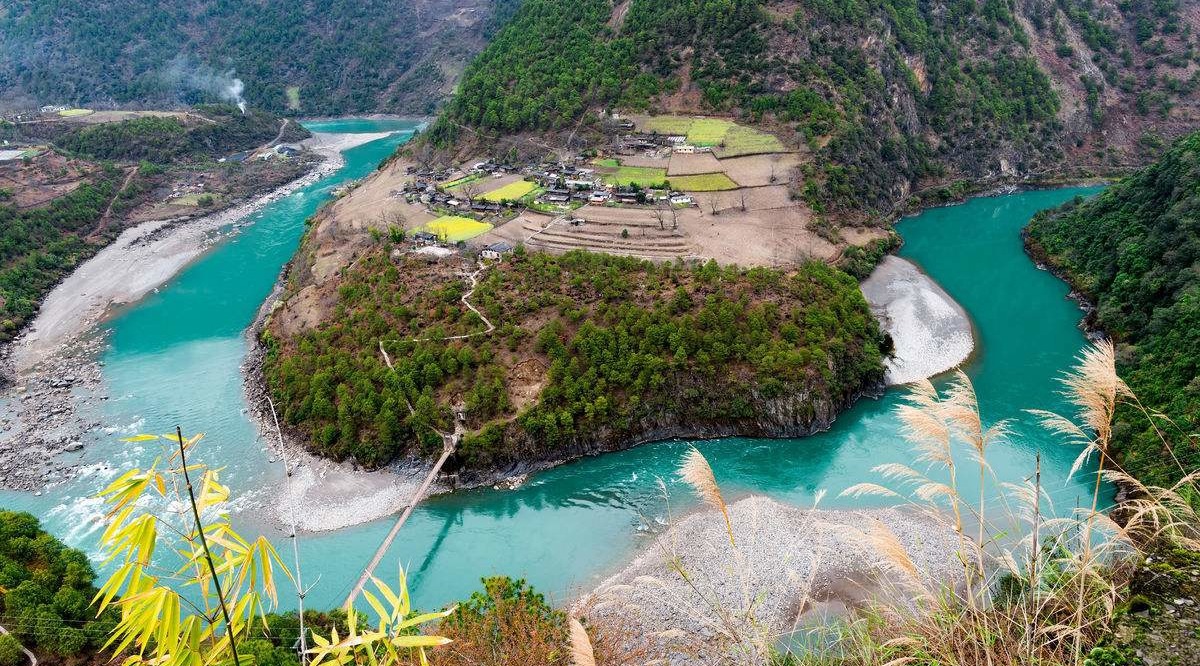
(316, 57)
(889, 94)
(1134, 251)
(590, 353)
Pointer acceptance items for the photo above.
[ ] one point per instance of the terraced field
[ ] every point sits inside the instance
(632, 175)
(625, 231)
(747, 141)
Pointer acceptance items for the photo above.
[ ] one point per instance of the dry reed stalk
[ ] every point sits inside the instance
(697, 473)
(581, 646)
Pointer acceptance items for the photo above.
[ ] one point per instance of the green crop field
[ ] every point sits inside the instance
(608, 162)
(669, 124)
(708, 131)
(73, 113)
(459, 182)
(642, 176)
(704, 182)
(510, 192)
(452, 228)
(747, 141)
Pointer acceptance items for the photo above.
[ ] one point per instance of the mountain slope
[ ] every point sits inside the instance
(336, 56)
(890, 95)
(1134, 251)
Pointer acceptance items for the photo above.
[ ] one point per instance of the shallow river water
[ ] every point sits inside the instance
(174, 359)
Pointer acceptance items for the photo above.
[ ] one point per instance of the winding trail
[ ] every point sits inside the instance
(474, 278)
(103, 223)
(278, 135)
(449, 444)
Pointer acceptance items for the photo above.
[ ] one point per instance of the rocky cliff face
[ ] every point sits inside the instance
(797, 414)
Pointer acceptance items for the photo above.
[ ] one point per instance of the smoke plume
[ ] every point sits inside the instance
(183, 73)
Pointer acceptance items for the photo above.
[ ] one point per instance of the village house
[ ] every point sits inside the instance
(496, 251)
(424, 238)
(480, 206)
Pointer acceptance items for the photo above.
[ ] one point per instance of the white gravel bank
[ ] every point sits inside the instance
(322, 495)
(791, 566)
(932, 332)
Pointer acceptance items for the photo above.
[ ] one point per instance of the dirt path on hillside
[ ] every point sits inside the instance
(103, 223)
(474, 278)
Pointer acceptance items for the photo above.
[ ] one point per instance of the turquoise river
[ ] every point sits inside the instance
(174, 359)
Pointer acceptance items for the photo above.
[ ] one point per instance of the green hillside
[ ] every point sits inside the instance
(321, 57)
(45, 595)
(1134, 251)
(887, 94)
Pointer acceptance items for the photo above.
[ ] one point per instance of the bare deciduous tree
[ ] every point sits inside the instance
(423, 154)
(470, 190)
(659, 214)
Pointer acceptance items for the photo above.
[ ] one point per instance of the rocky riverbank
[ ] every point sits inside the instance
(41, 427)
(694, 596)
(52, 370)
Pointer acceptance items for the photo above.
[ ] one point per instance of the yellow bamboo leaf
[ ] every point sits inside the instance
(374, 602)
(140, 438)
(419, 641)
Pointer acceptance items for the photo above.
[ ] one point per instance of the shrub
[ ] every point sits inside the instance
(506, 623)
(10, 651)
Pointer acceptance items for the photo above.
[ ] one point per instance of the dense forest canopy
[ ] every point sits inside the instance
(587, 346)
(317, 57)
(1134, 251)
(46, 592)
(41, 245)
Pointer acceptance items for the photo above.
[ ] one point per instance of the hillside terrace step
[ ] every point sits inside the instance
(631, 238)
(627, 252)
(632, 241)
(609, 247)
